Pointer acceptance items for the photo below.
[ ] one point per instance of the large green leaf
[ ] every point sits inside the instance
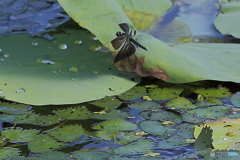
(227, 22)
(37, 71)
(182, 63)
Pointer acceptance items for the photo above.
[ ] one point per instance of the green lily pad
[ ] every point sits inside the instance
(213, 92)
(170, 64)
(171, 143)
(162, 116)
(115, 125)
(43, 143)
(228, 18)
(160, 94)
(90, 155)
(8, 152)
(109, 114)
(235, 99)
(53, 156)
(67, 133)
(214, 112)
(107, 102)
(204, 140)
(13, 108)
(209, 101)
(139, 147)
(19, 135)
(37, 71)
(145, 105)
(77, 113)
(180, 103)
(153, 127)
(21, 158)
(133, 94)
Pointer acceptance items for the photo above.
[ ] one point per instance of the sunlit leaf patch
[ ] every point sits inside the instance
(213, 92)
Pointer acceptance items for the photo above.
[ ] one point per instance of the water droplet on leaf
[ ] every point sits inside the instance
(78, 42)
(62, 46)
(95, 47)
(21, 91)
(34, 43)
(73, 69)
(1, 91)
(95, 72)
(93, 38)
(6, 55)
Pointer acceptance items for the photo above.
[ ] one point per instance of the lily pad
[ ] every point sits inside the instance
(8, 152)
(54, 156)
(90, 155)
(228, 18)
(13, 108)
(153, 127)
(172, 142)
(145, 105)
(180, 103)
(115, 125)
(109, 114)
(178, 64)
(19, 135)
(140, 147)
(133, 94)
(40, 72)
(213, 92)
(235, 100)
(43, 143)
(77, 113)
(160, 94)
(67, 133)
(206, 113)
(107, 102)
(225, 133)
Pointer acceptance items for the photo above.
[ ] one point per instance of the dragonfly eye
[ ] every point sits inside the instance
(118, 34)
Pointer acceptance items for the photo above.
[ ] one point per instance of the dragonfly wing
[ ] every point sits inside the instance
(124, 27)
(117, 42)
(138, 44)
(127, 50)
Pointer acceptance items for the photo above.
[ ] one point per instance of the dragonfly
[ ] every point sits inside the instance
(126, 42)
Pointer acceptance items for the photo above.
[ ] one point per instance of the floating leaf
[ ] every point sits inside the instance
(235, 99)
(206, 113)
(48, 120)
(8, 152)
(140, 147)
(213, 92)
(67, 133)
(153, 127)
(162, 116)
(225, 133)
(50, 67)
(204, 140)
(160, 94)
(180, 103)
(53, 156)
(209, 101)
(19, 135)
(13, 108)
(171, 143)
(126, 137)
(110, 114)
(227, 19)
(77, 113)
(133, 94)
(145, 105)
(107, 102)
(115, 125)
(43, 143)
(90, 155)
